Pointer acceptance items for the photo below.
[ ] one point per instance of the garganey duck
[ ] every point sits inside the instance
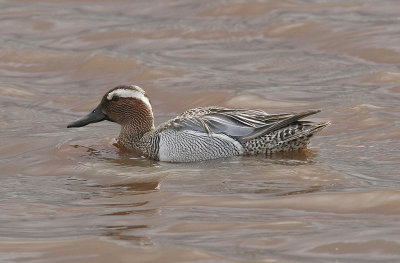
(202, 133)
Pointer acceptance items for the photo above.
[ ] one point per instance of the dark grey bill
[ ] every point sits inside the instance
(95, 116)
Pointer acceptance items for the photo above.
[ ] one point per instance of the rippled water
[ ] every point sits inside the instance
(71, 196)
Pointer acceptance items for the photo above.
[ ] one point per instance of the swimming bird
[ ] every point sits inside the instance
(201, 133)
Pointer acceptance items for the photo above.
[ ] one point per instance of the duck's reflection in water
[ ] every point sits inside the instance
(132, 184)
(116, 155)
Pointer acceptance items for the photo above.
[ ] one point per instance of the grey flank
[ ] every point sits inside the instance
(215, 132)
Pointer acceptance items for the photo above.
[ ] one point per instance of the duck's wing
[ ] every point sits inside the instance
(244, 124)
(279, 124)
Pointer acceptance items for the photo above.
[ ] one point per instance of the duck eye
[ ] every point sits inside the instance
(115, 98)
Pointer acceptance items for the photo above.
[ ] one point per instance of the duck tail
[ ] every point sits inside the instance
(268, 128)
(318, 127)
(308, 132)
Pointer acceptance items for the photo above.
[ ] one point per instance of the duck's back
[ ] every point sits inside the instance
(215, 132)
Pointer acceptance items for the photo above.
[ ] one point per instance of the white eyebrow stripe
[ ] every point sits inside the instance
(138, 88)
(129, 93)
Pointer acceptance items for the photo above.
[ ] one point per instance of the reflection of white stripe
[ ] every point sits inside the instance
(129, 93)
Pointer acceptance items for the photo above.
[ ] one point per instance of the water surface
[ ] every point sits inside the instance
(69, 195)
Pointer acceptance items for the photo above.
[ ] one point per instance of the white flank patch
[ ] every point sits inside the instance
(129, 93)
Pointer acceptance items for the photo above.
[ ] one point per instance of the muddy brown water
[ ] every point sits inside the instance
(69, 195)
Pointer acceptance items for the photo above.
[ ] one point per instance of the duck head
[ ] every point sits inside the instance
(128, 106)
